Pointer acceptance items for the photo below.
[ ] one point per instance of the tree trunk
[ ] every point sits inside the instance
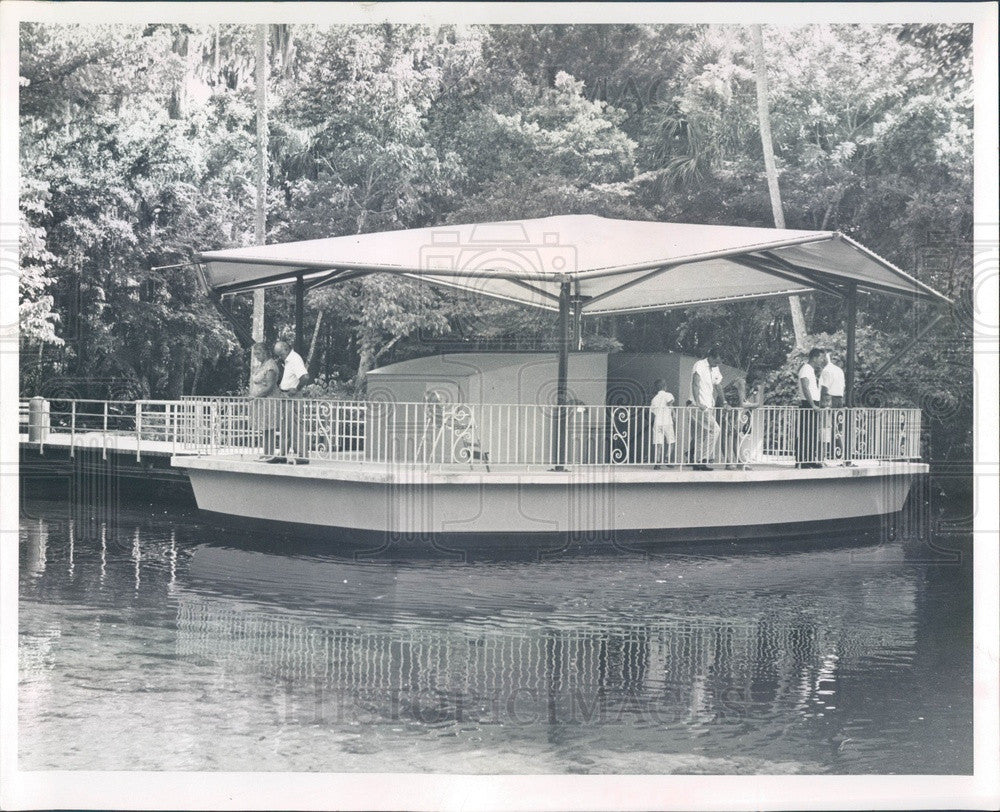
(366, 360)
(312, 343)
(260, 221)
(194, 378)
(215, 58)
(175, 379)
(770, 169)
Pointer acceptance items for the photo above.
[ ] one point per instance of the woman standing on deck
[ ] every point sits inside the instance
(264, 387)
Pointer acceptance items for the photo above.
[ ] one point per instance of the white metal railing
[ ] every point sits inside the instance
(311, 427)
(135, 426)
(480, 436)
(533, 435)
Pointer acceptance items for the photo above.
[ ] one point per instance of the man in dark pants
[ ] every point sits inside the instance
(807, 428)
(831, 383)
(294, 376)
(832, 386)
(704, 427)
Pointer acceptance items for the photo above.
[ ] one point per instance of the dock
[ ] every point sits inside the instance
(99, 446)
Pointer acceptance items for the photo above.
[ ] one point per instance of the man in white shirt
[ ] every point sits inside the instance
(704, 426)
(293, 378)
(720, 398)
(807, 451)
(831, 384)
(831, 395)
(663, 424)
(295, 374)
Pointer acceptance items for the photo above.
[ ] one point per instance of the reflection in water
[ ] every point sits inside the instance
(104, 551)
(38, 542)
(173, 559)
(136, 556)
(683, 668)
(152, 645)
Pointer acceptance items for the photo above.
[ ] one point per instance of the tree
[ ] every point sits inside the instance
(770, 170)
(38, 320)
(124, 190)
(260, 168)
(382, 311)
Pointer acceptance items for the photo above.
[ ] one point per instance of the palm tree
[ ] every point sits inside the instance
(260, 224)
(764, 116)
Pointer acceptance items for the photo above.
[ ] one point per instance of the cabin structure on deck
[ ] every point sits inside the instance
(527, 378)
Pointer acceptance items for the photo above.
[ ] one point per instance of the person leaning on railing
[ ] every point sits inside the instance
(294, 377)
(832, 386)
(831, 383)
(807, 426)
(737, 426)
(263, 391)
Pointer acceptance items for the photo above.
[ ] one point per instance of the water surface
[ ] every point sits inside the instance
(152, 640)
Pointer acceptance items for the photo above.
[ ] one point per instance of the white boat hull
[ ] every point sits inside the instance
(596, 504)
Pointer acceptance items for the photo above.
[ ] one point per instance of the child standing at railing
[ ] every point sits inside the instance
(663, 425)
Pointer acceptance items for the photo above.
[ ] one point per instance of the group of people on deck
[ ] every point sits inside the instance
(821, 386)
(707, 433)
(277, 372)
(714, 426)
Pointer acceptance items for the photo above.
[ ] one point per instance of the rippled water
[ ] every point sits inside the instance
(159, 642)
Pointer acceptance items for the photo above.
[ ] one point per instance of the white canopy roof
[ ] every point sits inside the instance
(612, 266)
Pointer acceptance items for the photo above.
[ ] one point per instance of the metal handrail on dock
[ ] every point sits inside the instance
(434, 433)
(162, 427)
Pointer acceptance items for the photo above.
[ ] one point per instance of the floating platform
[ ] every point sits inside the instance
(380, 502)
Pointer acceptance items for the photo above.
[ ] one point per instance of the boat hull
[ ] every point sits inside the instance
(599, 505)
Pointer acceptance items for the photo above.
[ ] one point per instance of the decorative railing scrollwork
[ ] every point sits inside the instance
(839, 434)
(859, 435)
(464, 441)
(903, 434)
(621, 422)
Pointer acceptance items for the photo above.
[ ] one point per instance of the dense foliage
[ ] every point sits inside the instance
(137, 148)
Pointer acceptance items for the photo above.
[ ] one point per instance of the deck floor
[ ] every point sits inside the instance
(111, 441)
(580, 475)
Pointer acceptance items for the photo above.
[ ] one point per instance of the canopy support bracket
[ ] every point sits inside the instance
(240, 287)
(543, 293)
(831, 280)
(631, 284)
(820, 280)
(335, 278)
(243, 335)
(330, 278)
(766, 265)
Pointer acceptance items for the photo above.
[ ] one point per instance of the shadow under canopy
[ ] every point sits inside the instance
(579, 265)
